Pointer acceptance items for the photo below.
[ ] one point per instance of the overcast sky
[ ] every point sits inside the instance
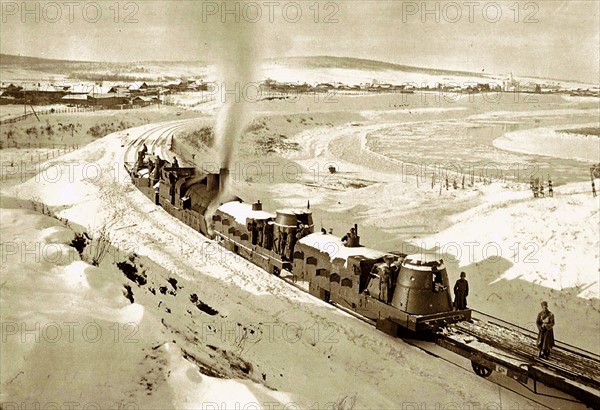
(556, 39)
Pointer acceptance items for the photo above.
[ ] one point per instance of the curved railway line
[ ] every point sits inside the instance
(154, 139)
(490, 343)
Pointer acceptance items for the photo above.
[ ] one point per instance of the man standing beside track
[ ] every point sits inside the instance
(545, 325)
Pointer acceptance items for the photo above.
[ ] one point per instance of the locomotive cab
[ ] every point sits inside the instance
(422, 286)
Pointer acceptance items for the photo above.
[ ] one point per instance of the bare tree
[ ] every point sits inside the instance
(99, 243)
(346, 402)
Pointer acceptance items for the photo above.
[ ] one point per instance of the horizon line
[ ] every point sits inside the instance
(447, 70)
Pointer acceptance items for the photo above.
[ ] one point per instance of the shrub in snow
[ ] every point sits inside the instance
(128, 293)
(346, 403)
(99, 246)
(79, 242)
(202, 306)
(131, 273)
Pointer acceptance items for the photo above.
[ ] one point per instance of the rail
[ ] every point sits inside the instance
(493, 343)
(529, 332)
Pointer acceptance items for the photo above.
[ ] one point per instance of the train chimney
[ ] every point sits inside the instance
(212, 182)
(223, 176)
(257, 206)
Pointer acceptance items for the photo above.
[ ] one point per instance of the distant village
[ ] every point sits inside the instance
(510, 84)
(114, 94)
(102, 94)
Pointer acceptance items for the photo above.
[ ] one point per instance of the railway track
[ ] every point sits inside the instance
(160, 133)
(430, 348)
(574, 365)
(510, 343)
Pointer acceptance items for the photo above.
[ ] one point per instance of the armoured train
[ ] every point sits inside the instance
(399, 292)
(403, 295)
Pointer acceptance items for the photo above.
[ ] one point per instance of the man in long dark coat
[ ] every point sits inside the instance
(290, 242)
(260, 225)
(267, 235)
(276, 239)
(384, 284)
(545, 325)
(461, 291)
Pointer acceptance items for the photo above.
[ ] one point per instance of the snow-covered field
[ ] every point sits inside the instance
(205, 328)
(551, 142)
(516, 250)
(284, 341)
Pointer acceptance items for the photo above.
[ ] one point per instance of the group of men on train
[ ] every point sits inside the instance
(280, 239)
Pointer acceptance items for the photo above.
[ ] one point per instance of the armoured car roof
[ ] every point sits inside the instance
(240, 211)
(335, 248)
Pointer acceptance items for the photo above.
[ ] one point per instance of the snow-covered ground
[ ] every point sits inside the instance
(552, 142)
(516, 250)
(260, 342)
(209, 329)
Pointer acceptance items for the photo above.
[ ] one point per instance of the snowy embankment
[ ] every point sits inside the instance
(557, 237)
(551, 142)
(210, 328)
(517, 250)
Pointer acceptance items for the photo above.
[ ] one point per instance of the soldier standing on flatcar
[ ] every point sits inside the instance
(461, 291)
(350, 237)
(140, 161)
(156, 175)
(550, 189)
(282, 241)
(306, 230)
(393, 269)
(300, 232)
(545, 325)
(352, 233)
(252, 231)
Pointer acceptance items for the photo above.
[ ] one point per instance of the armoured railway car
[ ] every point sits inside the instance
(339, 270)
(397, 291)
(415, 295)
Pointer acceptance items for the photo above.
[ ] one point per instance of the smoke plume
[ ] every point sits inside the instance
(237, 62)
(237, 65)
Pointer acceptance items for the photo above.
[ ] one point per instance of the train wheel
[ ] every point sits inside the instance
(276, 271)
(481, 370)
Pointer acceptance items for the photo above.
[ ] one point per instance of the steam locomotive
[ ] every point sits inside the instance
(398, 292)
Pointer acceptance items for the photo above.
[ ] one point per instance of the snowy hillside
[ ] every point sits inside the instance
(206, 326)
